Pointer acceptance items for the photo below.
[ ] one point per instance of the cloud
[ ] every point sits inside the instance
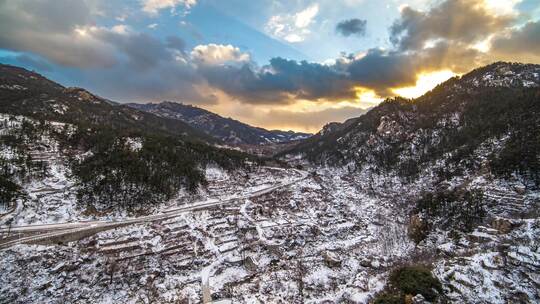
(293, 28)
(42, 27)
(167, 80)
(176, 43)
(282, 81)
(154, 6)
(456, 21)
(140, 50)
(218, 54)
(120, 29)
(352, 27)
(380, 70)
(524, 42)
(304, 18)
(286, 81)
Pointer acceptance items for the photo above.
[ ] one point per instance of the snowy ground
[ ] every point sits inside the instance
(305, 241)
(332, 237)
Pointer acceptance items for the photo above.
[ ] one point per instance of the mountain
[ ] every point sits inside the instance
(498, 102)
(461, 166)
(430, 200)
(228, 130)
(117, 157)
(28, 93)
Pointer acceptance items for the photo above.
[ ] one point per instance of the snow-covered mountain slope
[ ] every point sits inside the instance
(334, 237)
(495, 103)
(45, 191)
(230, 131)
(306, 242)
(118, 157)
(467, 157)
(446, 183)
(28, 93)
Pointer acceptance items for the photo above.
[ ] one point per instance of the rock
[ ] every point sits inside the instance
(44, 286)
(361, 282)
(365, 263)
(418, 299)
(520, 189)
(274, 249)
(331, 259)
(375, 264)
(503, 226)
(58, 268)
(447, 248)
(251, 264)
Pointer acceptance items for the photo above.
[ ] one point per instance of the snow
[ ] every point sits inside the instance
(214, 173)
(135, 144)
(286, 221)
(502, 76)
(14, 87)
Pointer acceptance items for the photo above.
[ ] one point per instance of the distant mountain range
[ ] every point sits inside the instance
(228, 130)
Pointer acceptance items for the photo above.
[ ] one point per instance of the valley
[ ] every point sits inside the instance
(104, 203)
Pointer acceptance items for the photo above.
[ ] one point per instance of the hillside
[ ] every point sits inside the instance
(462, 163)
(430, 200)
(228, 130)
(496, 103)
(115, 157)
(30, 94)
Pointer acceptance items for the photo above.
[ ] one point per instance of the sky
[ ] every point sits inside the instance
(278, 64)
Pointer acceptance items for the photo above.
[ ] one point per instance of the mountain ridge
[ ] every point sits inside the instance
(393, 117)
(108, 149)
(229, 130)
(29, 93)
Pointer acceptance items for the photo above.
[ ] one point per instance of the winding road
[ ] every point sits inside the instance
(71, 231)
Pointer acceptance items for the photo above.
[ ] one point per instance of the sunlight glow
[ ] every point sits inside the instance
(84, 31)
(367, 96)
(501, 7)
(483, 46)
(424, 83)
(81, 31)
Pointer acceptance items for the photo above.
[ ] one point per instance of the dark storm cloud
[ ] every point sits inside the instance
(285, 80)
(280, 81)
(459, 21)
(524, 41)
(381, 70)
(352, 27)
